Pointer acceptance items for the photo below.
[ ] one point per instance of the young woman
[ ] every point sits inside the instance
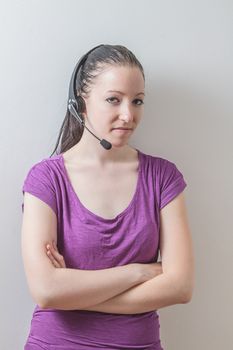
(95, 219)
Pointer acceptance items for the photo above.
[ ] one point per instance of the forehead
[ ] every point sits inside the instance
(121, 78)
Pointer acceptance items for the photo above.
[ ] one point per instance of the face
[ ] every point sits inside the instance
(115, 101)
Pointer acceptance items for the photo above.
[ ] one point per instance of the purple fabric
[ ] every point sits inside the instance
(88, 241)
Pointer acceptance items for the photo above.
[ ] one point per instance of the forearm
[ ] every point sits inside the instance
(156, 293)
(73, 289)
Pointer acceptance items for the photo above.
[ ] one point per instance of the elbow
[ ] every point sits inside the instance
(42, 295)
(187, 297)
(43, 303)
(49, 295)
(184, 289)
(187, 293)
(41, 299)
(46, 300)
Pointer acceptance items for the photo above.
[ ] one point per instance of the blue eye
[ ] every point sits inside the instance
(114, 98)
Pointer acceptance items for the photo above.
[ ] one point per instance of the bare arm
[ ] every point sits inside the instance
(160, 292)
(73, 289)
(65, 289)
(52, 287)
(176, 284)
(156, 293)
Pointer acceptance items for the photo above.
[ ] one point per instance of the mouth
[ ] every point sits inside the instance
(121, 129)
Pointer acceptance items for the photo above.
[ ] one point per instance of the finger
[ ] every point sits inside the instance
(51, 247)
(52, 255)
(55, 252)
(54, 245)
(58, 257)
(53, 260)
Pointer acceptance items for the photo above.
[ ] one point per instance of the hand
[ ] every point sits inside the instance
(150, 270)
(56, 258)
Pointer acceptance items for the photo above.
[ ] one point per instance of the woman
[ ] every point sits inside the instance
(95, 219)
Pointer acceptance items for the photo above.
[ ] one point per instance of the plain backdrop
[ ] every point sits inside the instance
(186, 50)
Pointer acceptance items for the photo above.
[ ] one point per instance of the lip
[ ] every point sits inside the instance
(121, 129)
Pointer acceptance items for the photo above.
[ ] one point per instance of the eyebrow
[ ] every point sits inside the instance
(140, 93)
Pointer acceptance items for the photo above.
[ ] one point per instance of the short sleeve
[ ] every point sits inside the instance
(39, 183)
(172, 182)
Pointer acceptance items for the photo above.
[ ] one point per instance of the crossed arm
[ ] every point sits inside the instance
(151, 295)
(155, 293)
(175, 285)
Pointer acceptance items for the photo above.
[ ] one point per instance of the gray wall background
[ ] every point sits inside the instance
(186, 50)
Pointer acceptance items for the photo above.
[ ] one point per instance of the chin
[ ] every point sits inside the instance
(119, 144)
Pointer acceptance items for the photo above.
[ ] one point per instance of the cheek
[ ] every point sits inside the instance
(107, 109)
(104, 112)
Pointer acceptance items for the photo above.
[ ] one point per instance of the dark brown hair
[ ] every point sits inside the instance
(71, 130)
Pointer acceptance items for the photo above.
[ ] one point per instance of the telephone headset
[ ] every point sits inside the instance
(76, 103)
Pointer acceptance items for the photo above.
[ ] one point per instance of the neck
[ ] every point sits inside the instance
(89, 150)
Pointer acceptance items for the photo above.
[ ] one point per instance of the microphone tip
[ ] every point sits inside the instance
(107, 145)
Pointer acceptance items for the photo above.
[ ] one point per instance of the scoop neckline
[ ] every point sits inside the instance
(88, 211)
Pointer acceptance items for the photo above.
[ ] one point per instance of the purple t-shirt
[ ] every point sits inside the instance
(90, 242)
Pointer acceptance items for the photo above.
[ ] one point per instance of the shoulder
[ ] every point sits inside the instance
(167, 170)
(45, 166)
(159, 163)
(167, 176)
(41, 182)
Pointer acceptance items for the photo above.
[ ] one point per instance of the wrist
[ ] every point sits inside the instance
(139, 273)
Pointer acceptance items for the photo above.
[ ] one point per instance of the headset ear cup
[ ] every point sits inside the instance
(81, 104)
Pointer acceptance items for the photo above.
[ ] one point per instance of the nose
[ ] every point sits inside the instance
(127, 114)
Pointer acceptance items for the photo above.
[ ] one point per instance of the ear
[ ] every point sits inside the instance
(81, 105)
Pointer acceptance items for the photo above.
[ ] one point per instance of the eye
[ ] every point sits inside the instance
(111, 98)
(141, 102)
(138, 99)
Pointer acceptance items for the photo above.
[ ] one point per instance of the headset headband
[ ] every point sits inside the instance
(72, 104)
(72, 87)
